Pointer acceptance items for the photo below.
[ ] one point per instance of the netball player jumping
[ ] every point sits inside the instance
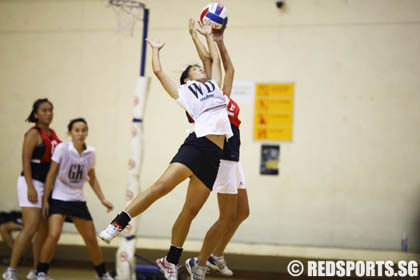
(230, 178)
(233, 207)
(199, 156)
(230, 182)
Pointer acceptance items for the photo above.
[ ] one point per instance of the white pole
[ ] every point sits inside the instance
(125, 259)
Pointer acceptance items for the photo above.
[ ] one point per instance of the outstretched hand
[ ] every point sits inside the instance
(155, 44)
(218, 35)
(191, 26)
(203, 29)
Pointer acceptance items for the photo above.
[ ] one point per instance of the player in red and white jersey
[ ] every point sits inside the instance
(230, 184)
(38, 145)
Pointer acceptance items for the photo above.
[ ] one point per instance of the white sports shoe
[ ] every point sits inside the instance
(106, 276)
(111, 231)
(31, 275)
(43, 276)
(197, 272)
(219, 264)
(10, 275)
(170, 270)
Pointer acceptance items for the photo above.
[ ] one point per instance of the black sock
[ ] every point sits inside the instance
(122, 219)
(43, 267)
(174, 254)
(100, 269)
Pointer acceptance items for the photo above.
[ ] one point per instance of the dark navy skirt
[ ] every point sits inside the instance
(202, 157)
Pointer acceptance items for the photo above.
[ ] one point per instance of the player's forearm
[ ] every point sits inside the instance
(49, 183)
(97, 189)
(227, 62)
(201, 49)
(156, 65)
(214, 54)
(27, 171)
(203, 54)
(216, 69)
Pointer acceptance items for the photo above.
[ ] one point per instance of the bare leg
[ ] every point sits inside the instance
(40, 238)
(242, 212)
(227, 213)
(31, 218)
(174, 174)
(55, 226)
(196, 197)
(88, 233)
(6, 230)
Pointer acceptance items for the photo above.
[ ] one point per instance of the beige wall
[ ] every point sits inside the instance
(350, 176)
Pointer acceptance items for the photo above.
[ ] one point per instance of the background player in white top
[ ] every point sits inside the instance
(73, 163)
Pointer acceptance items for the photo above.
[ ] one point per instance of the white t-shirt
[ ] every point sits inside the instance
(207, 105)
(72, 172)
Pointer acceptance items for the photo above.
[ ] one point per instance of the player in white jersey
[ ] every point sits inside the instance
(72, 165)
(199, 157)
(229, 185)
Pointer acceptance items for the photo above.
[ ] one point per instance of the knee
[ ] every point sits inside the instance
(54, 236)
(91, 240)
(227, 220)
(161, 188)
(242, 214)
(189, 213)
(30, 230)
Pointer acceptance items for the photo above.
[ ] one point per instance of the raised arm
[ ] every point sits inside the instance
(216, 69)
(202, 51)
(167, 82)
(227, 63)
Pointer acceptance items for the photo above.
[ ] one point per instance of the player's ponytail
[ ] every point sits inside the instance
(185, 74)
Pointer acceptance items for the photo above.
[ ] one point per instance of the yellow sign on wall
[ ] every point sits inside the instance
(273, 119)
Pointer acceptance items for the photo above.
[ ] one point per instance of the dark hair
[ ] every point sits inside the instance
(70, 126)
(186, 73)
(31, 118)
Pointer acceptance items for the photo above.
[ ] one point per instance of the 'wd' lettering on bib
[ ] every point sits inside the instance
(207, 105)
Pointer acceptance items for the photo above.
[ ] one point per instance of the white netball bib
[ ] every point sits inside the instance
(72, 172)
(207, 105)
(73, 167)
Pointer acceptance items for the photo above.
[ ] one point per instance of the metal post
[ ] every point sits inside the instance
(143, 53)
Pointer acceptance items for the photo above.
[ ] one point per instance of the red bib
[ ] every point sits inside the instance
(50, 143)
(233, 113)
